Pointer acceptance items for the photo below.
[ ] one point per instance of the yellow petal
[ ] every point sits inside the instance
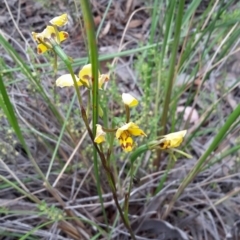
(48, 32)
(66, 81)
(47, 37)
(34, 35)
(63, 36)
(85, 75)
(41, 38)
(126, 142)
(135, 130)
(132, 128)
(51, 33)
(41, 48)
(172, 140)
(129, 100)
(85, 71)
(60, 20)
(100, 134)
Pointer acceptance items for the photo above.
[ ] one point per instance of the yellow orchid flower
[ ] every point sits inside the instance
(172, 140)
(67, 81)
(47, 37)
(60, 21)
(129, 100)
(85, 75)
(85, 78)
(124, 133)
(100, 134)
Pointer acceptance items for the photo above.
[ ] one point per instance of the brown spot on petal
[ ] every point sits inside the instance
(165, 145)
(126, 145)
(65, 35)
(87, 77)
(53, 35)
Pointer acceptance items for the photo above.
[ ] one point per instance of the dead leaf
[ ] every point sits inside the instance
(189, 112)
(105, 30)
(97, 20)
(129, 5)
(135, 23)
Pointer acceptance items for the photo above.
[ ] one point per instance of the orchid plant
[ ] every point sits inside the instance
(50, 39)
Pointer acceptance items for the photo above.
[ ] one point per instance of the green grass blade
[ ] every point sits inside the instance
(8, 108)
(171, 75)
(93, 53)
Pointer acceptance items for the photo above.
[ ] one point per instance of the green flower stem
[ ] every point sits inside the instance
(55, 74)
(127, 113)
(180, 152)
(204, 158)
(127, 196)
(55, 64)
(89, 103)
(138, 152)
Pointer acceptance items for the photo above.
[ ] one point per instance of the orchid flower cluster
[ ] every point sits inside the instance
(50, 37)
(124, 133)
